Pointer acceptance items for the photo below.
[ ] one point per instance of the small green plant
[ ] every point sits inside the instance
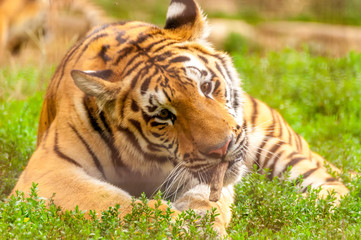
(30, 217)
(277, 210)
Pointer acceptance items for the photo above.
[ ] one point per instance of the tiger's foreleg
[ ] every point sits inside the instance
(73, 186)
(313, 173)
(273, 144)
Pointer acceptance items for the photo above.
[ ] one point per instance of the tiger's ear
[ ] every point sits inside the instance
(94, 83)
(185, 21)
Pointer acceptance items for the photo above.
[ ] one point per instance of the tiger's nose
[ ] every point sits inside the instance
(220, 152)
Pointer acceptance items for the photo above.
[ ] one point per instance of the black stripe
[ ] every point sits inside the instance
(156, 124)
(129, 64)
(258, 155)
(271, 152)
(103, 53)
(104, 26)
(138, 126)
(150, 46)
(221, 58)
(75, 48)
(220, 70)
(140, 63)
(105, 122)
(255, 112)
(272, 168)
(331, 179)
(204, 59)
(171, 144)
(179, 59)
(305, 188)
(87, 44)
(116, 158)
(244, 130)
(123, 100)
(160, 48)
(294, 162)
(309, 173)
(144, 37)
(92, 120)
(86, 145)
(217, 84)
(146, 117)
(122, 53)
(135, 143)
(64, 64)
(156, 135)
(167, 96)
(145, 85)
(119, 38)
(61, 154)
(134, 106)
(152, 108)
(238, 137)
(235, 102)
(289, 156)
(160, 58)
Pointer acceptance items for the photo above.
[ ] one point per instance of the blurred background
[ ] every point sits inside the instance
(42, 30)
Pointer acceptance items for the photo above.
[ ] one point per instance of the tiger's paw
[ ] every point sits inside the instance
(197, 199)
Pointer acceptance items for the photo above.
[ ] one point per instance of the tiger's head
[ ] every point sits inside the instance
(170, 99)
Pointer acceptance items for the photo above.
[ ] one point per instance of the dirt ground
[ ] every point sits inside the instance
(323, 39)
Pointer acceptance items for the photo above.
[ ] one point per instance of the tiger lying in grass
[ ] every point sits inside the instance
(135, 108)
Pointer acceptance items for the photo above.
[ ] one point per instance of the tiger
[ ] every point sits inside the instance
(45, 23)
(134, 108)
(17, 19)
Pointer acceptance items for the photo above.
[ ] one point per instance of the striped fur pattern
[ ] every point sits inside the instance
(136, 108)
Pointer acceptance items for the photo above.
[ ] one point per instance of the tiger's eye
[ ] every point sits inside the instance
(164, 114)
(206, 88)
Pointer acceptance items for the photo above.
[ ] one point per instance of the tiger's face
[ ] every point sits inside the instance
(186, 111)
(171, 100)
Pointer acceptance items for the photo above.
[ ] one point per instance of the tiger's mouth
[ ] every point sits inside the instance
(193, 171)
(204, 175)
(235, 170)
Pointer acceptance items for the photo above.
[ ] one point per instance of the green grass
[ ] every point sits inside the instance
(320, 97)
(20, 104)
(153, 11)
